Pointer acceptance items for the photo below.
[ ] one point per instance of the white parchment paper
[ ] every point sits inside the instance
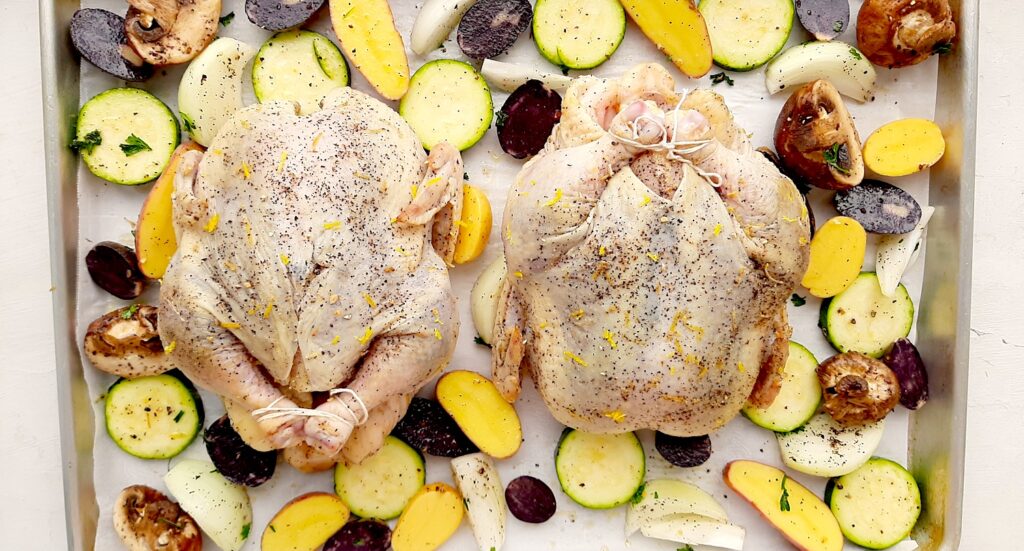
(108, 211)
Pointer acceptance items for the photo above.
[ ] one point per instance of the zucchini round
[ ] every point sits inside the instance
(578, 34)
(300, 66)
(153, 417)
(876, 505)
(448, 101)
(862, 319)
(798, 398)
(746, 34)
(600, 471)
(383, 483)
(129, 135)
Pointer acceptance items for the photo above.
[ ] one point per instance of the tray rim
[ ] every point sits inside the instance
(61, 99)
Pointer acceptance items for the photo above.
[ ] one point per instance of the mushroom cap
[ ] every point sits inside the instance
(858, 389)
(168, 32)
(813, 121)
(899, 33)
(146, 520)
(126, 343)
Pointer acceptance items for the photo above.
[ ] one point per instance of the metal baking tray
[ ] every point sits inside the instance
(936, 434)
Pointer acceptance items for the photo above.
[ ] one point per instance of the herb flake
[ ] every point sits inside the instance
(500, 118)
(169, 523)
(245, 530)
(838, 26)
(943, 48)
(686, 547)
(855, 53)
(87, 143)
(130, 312)
(719, 78)
(638, 495)
(798, 300)
(784, 500)
(179, 416)
(187, 123)
(227, 19)
(834, 157)
(480, 340)
(133, 145)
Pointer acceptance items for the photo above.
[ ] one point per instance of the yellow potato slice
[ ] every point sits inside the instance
(155, 243)
(305, 523)
(837, 255)
(431, 517)
(904, 147)
(475, 227)
(480, 411)
(371, 42)
(678, 29)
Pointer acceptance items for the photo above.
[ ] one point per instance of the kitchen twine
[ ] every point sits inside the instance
(354, 419)
(673, 148)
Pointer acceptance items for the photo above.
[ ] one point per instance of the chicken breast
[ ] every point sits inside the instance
(650, 254)
(311, 268)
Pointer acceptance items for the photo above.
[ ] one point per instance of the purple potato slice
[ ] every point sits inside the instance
(278, 15)
(530, 500)
(99, 37)
(905, 361)
(234, 458)
(825, 19)
(360, 535)
(490, 27)
(115, 269)
(879, 207)
(527, 118)
(683, 451)
(428, 428)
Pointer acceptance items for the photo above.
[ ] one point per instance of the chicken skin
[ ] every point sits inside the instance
(311, 270)
(650, 254)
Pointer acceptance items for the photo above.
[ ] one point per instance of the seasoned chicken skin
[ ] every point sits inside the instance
(312, 257)
(650, 255)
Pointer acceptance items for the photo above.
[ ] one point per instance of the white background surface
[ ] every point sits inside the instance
(31, 511)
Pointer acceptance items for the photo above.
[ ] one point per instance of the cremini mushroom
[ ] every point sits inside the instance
(817, 140)
(167, 32)
(146, 520)
(898, 33)
(858, 389)
(126, 343)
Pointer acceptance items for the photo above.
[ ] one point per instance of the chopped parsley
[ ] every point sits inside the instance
(719, 78)
(179, 416)
(686, 547)
(227, 19)
(855, 53)
(943, 48)
(187, 123)
(245, 530)
(784, 500)
(500, 118)
(638, 495)
(87, 143)
(834, 157)
(480, 340)
(133, 145)
(798, 300)
(127, 314)
(838, 26)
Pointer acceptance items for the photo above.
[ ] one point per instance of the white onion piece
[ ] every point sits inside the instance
(837, 62)
(436, 20)
(509, 76)
(897, 253)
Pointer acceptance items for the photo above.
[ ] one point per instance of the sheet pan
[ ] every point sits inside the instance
(83, 209)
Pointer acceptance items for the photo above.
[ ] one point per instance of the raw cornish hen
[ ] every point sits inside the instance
(650, 255)
(311, 268)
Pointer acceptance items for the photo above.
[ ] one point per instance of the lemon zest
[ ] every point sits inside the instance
(646, 201)
(576, 359)
(415, 190)
(231, 266)
(284, 159)
(555, 199)
(602, 251)
(211, 225)
(268, 310)
(437, 333)
(742, 368)
(246, 171)
(518, 274)
(332, 225)
(610, 337)
(654, 256)
(285, 260)
(316, 140)
(718, 229)
(170, 347)
(369, 300)
(616, 416)
(433, 181)
(365, 338)
(230, 325)
(578, 314)
(335, 340)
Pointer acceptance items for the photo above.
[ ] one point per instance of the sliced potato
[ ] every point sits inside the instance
(677, 28)
(431, 517)
(369, 38)
(904, 147)
(155, 242)
(481, 412)
(475, 226)
(837, 255)
(305, 523)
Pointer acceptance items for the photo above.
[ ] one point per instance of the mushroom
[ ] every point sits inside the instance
(167, 32)
(146, 520)
(126, 343)
(899, 33)
(817, 140)
(858, 389)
